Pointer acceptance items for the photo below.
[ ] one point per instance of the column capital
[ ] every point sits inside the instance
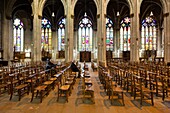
(166, 14)
(72, 16)
(131, 15)
(8, 17)
(98, 16)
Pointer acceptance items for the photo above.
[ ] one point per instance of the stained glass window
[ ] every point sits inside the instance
(61, 35)
(109, 34)
(18, 35)
(148, 34)
(46, 35)
(85, 34)
(125, 34)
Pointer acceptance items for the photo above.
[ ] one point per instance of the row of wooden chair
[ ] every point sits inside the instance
(111, 87)
(142, 81)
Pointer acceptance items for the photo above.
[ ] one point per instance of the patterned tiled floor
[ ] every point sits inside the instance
(76, 105)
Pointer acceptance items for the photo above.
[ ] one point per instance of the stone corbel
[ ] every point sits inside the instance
(98, 15)
(72, 16)
(166, 14)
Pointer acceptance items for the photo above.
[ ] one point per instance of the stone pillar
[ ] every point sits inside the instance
(75, 50)
(101, 23)
(95, 43)
(54, 44)
(36, 49)
(27, 39)
(7, 35)
(116, 41)
(166, 38)
(69, 33)
(159, 39)
(135, 33)
(99, 44)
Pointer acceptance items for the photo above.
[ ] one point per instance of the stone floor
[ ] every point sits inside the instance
(76, 105)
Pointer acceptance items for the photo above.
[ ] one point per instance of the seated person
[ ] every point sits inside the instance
(75, 69)
(50, 65)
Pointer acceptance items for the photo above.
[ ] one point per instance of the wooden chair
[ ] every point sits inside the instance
(3, 82)
(18, 83)
(140, 90)
(93, 66)
(38, 87)
(115, 90)
(88, 89)
(63, 89)
(166, 87)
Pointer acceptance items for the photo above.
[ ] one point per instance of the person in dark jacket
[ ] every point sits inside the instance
(74, 68)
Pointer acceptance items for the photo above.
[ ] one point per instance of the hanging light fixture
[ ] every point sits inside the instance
(117, 2)
(85, 14)
(118, 13)
(53, 15)
(151, 5)
(151, 14)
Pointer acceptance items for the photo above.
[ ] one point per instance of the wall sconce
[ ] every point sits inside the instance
(100, 44)
(133, 44)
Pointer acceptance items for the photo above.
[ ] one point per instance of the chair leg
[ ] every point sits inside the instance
(41, 96)
(11, 95)
(32, 96)
(67, 95)
(58, 95)
(152, 98)
(123, 99)
(19, 94)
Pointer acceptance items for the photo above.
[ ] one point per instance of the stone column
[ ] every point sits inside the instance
(95, 43)
(166, 38)
(116, 41)
(36, 49)
(7, 34)
(135, 33)
(99, 44)
(159, 39)
(101, 23)
(75, 51)
(27, 39)
(54, 44)
(69, 33)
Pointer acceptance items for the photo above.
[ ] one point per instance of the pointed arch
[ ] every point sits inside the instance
(42, 3)
(95, 1)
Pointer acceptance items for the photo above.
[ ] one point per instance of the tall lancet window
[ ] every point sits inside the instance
(148, 34)
(46, 35)
(61, 35)
(85, 34)
(18, 35)
(109, 34)
(125, 34)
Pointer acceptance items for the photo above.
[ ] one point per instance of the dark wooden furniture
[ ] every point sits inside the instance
(85, 56)
(126, 55)
(108, 54)
(61, 54)
(149, 53)
(3, 63)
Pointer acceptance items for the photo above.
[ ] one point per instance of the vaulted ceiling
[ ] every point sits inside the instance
(87, 6)
(55, 6)
(152, 5)
(120, 6)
